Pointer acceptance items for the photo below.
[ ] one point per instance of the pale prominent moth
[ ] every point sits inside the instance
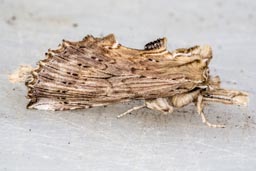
(100, 71)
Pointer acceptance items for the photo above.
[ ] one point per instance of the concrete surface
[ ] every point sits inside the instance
(94, 139)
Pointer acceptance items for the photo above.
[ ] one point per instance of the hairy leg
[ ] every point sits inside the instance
(159, 104)
(165, 105)
(201, 113)
(131, 110)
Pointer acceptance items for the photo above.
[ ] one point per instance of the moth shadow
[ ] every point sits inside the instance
(185, 117)
(231, 116)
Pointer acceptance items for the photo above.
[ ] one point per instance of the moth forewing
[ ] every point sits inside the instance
(100, 71)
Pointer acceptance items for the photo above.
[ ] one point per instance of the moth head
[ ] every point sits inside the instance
(227, 96)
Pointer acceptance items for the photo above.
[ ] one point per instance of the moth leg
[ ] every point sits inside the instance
(201, 113)
(181, 100)
(160, 104)
(131, 110)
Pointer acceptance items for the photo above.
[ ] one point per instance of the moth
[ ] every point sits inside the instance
(100, 71)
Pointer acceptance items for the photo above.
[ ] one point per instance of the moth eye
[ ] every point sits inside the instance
(65, 102)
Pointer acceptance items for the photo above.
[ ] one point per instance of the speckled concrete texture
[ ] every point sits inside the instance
(95, 139)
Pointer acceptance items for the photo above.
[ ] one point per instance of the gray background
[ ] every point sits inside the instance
(146, 140)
